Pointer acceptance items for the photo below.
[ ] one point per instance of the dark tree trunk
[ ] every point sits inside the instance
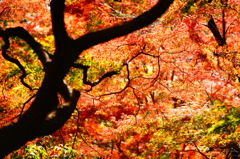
(45, 115)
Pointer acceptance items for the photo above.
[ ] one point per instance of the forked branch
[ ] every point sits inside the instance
(92, 84)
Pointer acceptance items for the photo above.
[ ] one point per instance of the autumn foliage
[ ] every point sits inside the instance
(170, 89)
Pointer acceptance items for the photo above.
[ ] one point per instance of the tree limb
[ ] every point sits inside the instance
(57, 13)
(141, 21)
(92, 84)
(214, 29)
(15, 61)
(23, 34)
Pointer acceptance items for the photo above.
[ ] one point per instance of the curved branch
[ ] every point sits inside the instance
(37, 47)
(141, 21)
(127, 84)
(13, 60)
(23, 34)
(92, 84)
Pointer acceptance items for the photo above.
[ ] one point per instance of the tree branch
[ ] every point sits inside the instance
(92, 84)
(59, 30)
(37, 47)
(38, 119)
(214, 29)
(15, 61)
(23, 34)
(141, 21)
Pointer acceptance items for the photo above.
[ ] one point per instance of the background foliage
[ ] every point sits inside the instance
(176, 94)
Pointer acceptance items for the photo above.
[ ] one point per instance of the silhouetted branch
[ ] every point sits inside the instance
(213, 27)
(45, 116)
(15, 61)
(141, 21)
(20, 32)
(92, 84)
(57, 13)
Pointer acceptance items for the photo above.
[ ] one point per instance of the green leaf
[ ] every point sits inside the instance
(188, 6)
